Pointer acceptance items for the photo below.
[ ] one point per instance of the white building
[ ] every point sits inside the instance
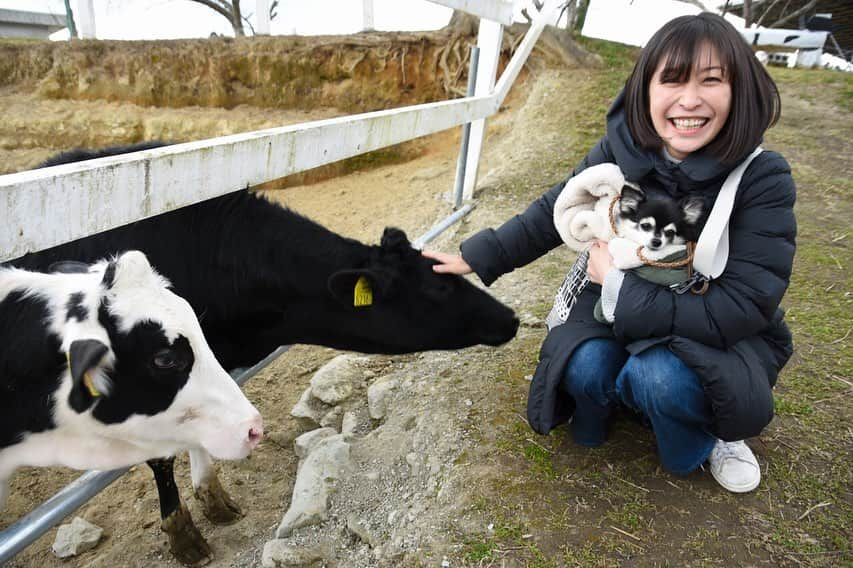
(23, 24)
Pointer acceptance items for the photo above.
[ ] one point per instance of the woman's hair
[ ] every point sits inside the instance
(755, 99)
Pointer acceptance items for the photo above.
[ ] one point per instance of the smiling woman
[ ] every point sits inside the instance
(700, 369)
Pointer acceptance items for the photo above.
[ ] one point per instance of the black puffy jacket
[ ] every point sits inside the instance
(733, 336)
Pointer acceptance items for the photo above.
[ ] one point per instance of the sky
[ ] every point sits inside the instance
(166, 19)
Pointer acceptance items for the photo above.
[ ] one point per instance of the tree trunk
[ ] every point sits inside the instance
(237, 19)
(463, 24)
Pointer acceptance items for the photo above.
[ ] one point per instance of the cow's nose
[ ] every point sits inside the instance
(256, 432)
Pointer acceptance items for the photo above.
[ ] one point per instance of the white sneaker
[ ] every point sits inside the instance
(734, 466)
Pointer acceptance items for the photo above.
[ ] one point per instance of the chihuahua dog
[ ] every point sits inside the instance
(661, 225)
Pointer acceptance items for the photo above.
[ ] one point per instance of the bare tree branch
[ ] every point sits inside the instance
(696, 3)
(795, 14)
(218, 7)
(229, 10)
(767, 11)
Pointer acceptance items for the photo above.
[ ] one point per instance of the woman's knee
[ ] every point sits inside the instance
(593, 367)
(657, 378)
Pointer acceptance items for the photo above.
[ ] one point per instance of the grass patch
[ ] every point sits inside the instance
(783, 406)
(540, 459)
(819, 82)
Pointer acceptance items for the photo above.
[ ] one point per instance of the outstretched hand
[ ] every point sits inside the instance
(448, 263)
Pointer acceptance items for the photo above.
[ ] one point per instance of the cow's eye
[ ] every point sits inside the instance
(165, 359)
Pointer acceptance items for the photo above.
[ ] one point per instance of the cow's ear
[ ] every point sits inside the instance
(129, 269)
(88, 380)
(395, 240)
(354, 288)
(630, 199)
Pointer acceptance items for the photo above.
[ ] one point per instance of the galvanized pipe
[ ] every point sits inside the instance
(442, 225)
(461, 163)
(50, 513)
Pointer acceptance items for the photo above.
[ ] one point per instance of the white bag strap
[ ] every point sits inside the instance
(712, 248)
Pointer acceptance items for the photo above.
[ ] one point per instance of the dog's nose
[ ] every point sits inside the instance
(656, 243)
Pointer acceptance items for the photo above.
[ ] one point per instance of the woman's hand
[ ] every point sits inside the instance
(448, 263)
(600, 262)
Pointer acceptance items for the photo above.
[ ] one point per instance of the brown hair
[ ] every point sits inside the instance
(755, 98)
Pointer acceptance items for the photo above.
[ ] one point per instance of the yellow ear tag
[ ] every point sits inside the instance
(90, 386)
(363, 294)
(87, 380)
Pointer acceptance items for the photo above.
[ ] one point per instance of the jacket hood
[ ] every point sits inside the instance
(695, 171)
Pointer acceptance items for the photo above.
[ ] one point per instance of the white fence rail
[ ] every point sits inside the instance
(110, 192)
(49, 206)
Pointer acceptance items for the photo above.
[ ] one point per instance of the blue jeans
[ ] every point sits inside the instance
(656, 383)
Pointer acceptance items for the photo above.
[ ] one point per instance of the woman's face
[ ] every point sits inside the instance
(688, 115)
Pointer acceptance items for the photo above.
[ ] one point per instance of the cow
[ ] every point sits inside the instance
(105, 367)
(260, 275)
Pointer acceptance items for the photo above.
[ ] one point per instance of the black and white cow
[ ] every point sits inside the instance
(105, 368)
(260, 276)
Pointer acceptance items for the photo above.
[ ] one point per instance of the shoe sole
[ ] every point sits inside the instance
(736, 488)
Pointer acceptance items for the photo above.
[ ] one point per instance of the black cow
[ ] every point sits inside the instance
(259, 276)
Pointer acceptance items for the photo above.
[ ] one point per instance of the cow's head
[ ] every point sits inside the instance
(396, 303)
(141, 370)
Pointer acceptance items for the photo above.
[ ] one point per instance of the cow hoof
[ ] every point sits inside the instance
(185, 542)
(216, 503)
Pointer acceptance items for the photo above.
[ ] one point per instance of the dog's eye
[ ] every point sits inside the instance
(646, 226)
(669, 233)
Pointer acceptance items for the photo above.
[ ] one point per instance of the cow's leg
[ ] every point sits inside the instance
(215, 502)
(185, 541)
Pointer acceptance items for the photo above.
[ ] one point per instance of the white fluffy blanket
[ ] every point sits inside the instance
(582, 215)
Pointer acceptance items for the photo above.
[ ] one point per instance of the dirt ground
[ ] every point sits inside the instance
(491, 492)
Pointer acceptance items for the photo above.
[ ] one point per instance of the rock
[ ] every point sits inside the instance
(349, 423)
(361, 529)
(315, 479)
(76, 537)
(335, 381)
(332, 419)
(414, 461)
(310, 407)
(303, 445)
(377, 398)
(280, 553)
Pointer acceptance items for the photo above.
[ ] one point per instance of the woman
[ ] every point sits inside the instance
(700, 368)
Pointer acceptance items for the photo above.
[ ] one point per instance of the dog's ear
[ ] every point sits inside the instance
(630, 200)
(692, 207)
